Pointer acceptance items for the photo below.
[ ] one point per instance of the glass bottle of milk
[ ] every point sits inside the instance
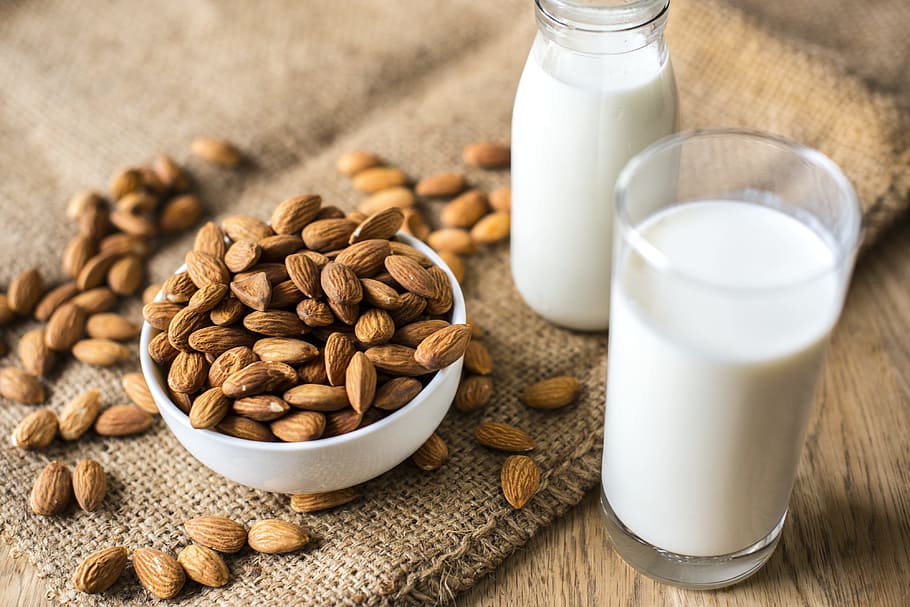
(597, 88)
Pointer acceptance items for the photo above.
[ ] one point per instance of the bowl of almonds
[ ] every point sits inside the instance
(305, 354)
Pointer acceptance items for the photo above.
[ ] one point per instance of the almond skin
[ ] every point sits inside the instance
(52, 491)
(441, 184)
(254, 291)
(217, 340)
(259, 377)
(16, 384)
(317, 502)
(503, 437)
(205, 269)
(291, 215)
(79, 415)
(473, 393)
(111, 326)
(35, 356)
(25, 291)
(477, 359)
(501, 199)
(275, 536)
(432, 454)
(552, 393)
(89, 484)
(126, 275)
(65, 327)
(365, 257)
(276, 248)
(376, 179)
(411, 275)
(382, 224)
(100, 352)
(396, 393)
(210, 240)
(217, 532)
(374, 327)
(229, 362)
(206, 298)
(454, 240)
(275, 323)
(466, 210)
(338, 353)
(161, 350)
(217, 151)
(180, 213)
(100, 570)
(360, 382)
(356, 161)
(397, 197)
(36, 430)
(285, 349)
(242, 255)
(54, 299)
(492, 228)
(261, 407)
(487, 155)
(413, 333)
(179, 288)
(328, 234)
(203, 566)
(340, 283)
(160, 313)
(247, 429)
(396, 360)
(304, 272)
(94, 301)
(315, 313)
(520, 478)
(122, 420)
(443, 347)
(188, 372)
(159, 572)
(299, 426)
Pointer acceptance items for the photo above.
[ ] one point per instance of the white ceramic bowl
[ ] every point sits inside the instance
(325, 464)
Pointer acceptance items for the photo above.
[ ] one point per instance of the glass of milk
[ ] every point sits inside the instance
(597, 88)
(733, 253)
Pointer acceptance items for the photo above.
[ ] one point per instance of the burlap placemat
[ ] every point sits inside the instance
(91, 86)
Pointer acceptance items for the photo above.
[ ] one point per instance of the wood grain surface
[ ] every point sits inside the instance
(847, 539)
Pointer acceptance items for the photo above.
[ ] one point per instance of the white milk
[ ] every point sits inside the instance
(577, 120)
(709, 389)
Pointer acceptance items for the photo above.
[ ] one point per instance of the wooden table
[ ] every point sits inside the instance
(847, 540)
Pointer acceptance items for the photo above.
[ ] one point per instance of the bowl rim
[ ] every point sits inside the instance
(148, 366)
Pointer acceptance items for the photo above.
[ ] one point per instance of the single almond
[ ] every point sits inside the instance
(338, 352)
(397, 197)
(217, 151)
(520, 478)
(111, 326)
(396, 360)
(100, 570)
(473, 393)
(170, 174)
(356, 161)
(443, 347)
(36, 430)
(413, 333)
(25, 291)
(94, 221)
(78, 251)
(35, 356)
(315, 313)
(286, 295)
(411, 275)
(441, 184)
(406, 250)
(466, 210)
(137, 225)
(205, 269)
(492, 228)
(206, 298)
(299, 426)
(89, 484)
(374, 327)
(76, 205)
(121, 243)
(123, 420)
(313, 372)
(275, 272)
(246, 227)
(261, 407)
(328, 234)
(273, 536)
(501, 199)
(52, 491)
(259, 377)
(16, 384)
(340, 283)
(382, 224)
(180, 213)
(454, 240)
(317, 502)
(285, 349)
(95, 270)
(137, 203)
(160, 313)
(275, 323)
(276, 248)
(159, 572)
(454, 263)
(242, 255)
(291, 215)
(415, 224)
(444, 299)
(376, 179)
(552, 393)
(360, 382)
(93, 301)
(188, 372)
(183, 324)
(396, 393)
(137, 390)
(217, 340)
(65, 327)
(317, 397)
(210, 240)
(125, 181)
(229, 311)
(487, 155)
(179, 288)
(217, 532)
(410, 308)
(247, 429)
(79, 415)
(432, 454)
(203, 566)
(477, 359)
(503, 437)
(344, 421)
(209, 408)
(161, 350)
(366, 257)
(304, 272)
(379, 295)
(126, 275)
(229, 362)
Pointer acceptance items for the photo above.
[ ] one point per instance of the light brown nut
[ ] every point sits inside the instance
(170, 174)
(365, 258)
(466, 210)
(137, 225)
(79, 415)
(259, 377)
(338, 352)
(375, 179)
(455, 264)
(35, 356)
(123, 420)
(285, 350)
(274, 536)
(411, 275)
(298, 426)
(441, 184)
(503, 437)
(210, 240)
(315, 313)
(247, 429)
(229, 362)
(160, 313)
(415, 224)
(206, 298)
(161, 350)
(94, 221)
(16, 384)
(209, 408)
(501, 199)
(96, 300)
(313, 372)
(520, 478)
(492, 228)
(330, 212)
(443, 347)
(275, 323)
(126, 275)
(217, 532)
(432, 454)
(242, 255)
(286, 295)
(317, 397)
(205, 269)
(137, 390)
(81, 201)
(382, 224)
(340, 283)
(111, 326)
(360, 382)
(276, 248)
(65, 327)
(444, 299)
(100, 570)
(121, 243)
(291, 215)
(159, 572)
(183, 324)
(374, 327)
(344, 421)
(477, 359)
(379, 295)
(552, 393)
(473, 393)
(304, 272)
(125, 181)
(261, 407)
(54, 299)
(181, 213)
(410, 308)
(317, 502)
(454, 240)
(52, 491)
(397, 197)
(188, 372)
(228, 312)
(36, 430)
(356, 161)
(487, 155)
(328, 234)
(203, 566)
(217, 151)
(217, 340)
(89, 484)
(179, 288)
(25, 291)
(396, 393)
(396, 360)
(150, 293)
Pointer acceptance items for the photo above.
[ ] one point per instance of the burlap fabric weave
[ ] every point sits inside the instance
(86, 87)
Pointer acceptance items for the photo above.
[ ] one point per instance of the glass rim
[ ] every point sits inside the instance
(592, 18)
(658, 260)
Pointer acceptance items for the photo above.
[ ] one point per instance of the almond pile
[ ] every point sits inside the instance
(311, 325)
(55, 487)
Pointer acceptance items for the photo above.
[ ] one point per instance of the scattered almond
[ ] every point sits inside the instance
(443, 347)
(466, 210)
(473, 393)
(503, 437)
(89, 484)
(122, 420)
(520, 478)
(100, 352)
(16, 384)
(159, 572)
(492, 228)
(100, 570)
(216, 151)
(52, 491)
(273, 536)
(454, 240)
(217, 532)
(80, 414)
(441, 184)
(203, 566)
(66, 326)
(54, 299)
(24, 292)
(432, 454)
(375, 179)
(36, 430)
(487, 155)
(111, 326)
(356, 161)
(35, 356)
(551, 393)
(398, 197)
(316, 502)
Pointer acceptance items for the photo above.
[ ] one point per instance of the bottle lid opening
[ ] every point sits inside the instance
(602, 15)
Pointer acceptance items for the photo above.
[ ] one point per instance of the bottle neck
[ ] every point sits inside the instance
(604, 27)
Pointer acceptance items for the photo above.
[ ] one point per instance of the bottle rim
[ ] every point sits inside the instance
(595, 16)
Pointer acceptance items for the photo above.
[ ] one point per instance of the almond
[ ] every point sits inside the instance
(217, 151)
(203, 566)
(182, 400)
(454, 240)
(170, 174)
(346, 313)
(259, 377)
(111, 326)
(492, 228)
(76, 205)
(52, 491)
(398, 197)
(520, 479)
(382, 224)
(94, 272)
(6, 312)
(151, 292)
(228, 312)
(100, 570)
(184, 323)
(298, 426)
(217, 340)
(285, 350)
(138, 225)
(273, 536)
(376, 179)
(125, 244)
(328, 234)
(205, 269)
(338, 352)
(179, 288)
(261, 407)
(551, 393)
(161, 350)
(501, 199)
(396, 360)
(94, 221)
(444, 299)
(275, 323)
(316, 502)
(24, 292)
(454, 263)
(207, 297)
(443, 347)
(122, 420)
(487, 155)
(374, 327)
(217, 532)
(246, 429)
(254, 291)
(230, 362)
(330, 212)
(210, 240)
(412, 334)
(126, 275)
(473, 393)
(16, 384)
(313, 372)
(356, 161)
(432, 454)
(209, 408)
(89, 484)
(93, 301)
(314, 313)
(360, 382)
(242, 255)
(396, 393)
(79, 415)
(35, 356)
(124, 182)
(406, 250)
(415, 224)
(77, 253)
(159, 572)
(441, 184)
(317, 397)
(137, 203)
(304, 272)
(410, 308)
(365, 258)
(379, 295)
(411, 275)
(291, 215)
(160, 313)
(276, 248)
(180, 213)
(342, 422)
(466, 210)
(65, 327)
(36, 430)
(340, 283)
(136, 388)
(285, 295)
(503, 437)
(477, 359)
(188, 372)
(275, 272)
